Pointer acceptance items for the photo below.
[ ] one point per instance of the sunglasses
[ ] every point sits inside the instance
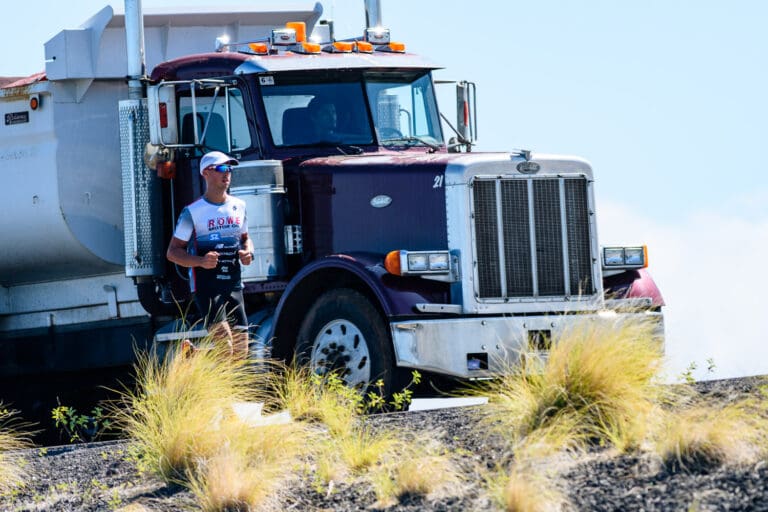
(222, 168)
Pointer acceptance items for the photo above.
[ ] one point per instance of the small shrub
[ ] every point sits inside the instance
(78, 427)
(229, 481)
(175, 415)
(703, 436)
(598, 383)
(526, 491)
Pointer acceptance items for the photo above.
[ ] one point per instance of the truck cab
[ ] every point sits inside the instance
(379, 246)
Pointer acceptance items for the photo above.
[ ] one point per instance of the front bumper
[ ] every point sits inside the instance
(484, 347)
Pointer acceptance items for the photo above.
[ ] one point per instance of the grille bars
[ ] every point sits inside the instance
(531, 237)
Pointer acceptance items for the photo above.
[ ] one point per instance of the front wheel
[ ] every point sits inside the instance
(344, 333)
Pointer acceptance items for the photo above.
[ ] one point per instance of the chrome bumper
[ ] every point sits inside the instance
(482, 347)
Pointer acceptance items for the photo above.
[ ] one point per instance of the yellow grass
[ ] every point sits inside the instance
(598, 384)
(12, 439)
(707, 435)
(310, 399)
(175, 415)
(415, 466)
(526, 491)
(229, 480)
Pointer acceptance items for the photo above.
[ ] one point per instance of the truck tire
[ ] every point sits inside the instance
(344, 332)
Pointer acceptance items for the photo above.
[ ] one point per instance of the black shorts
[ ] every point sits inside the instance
(222, 307)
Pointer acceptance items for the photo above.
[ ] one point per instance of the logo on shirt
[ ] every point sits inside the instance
(223, 223)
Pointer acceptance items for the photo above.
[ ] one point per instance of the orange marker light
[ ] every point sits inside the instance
(311, 47)
(163, 111)
(166, 170)
(397, 47)
(34, 103)
(260, 48)
(364, 46)
(343, 46)
(392, 263)
(301, 30)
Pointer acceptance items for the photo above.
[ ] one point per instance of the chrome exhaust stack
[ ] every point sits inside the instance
(134, 39)
(372, 14)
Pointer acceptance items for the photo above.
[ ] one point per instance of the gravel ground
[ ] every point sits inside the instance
(101, 476)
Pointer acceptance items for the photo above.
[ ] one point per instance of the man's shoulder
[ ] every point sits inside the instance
(236, 201)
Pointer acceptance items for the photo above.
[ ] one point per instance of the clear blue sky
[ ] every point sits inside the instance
(667, 99)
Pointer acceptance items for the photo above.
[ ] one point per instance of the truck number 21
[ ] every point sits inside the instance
(438, 181)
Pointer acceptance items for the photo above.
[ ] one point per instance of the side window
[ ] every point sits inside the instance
(218, 120)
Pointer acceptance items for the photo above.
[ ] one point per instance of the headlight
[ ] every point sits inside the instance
(625, 257)
(418, 262)
(404, 263)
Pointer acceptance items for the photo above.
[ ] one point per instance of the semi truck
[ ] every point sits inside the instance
(381, 245)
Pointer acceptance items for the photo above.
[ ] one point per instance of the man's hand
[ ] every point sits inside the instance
(246, 257)
(210, 260)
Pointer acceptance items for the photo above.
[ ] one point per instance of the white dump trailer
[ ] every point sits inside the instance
(63, 258)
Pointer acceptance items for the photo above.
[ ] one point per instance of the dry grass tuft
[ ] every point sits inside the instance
(597, 385)
(176, 414)
(415, 467)
(12, 439)
(527, 491)
(703, 436)
(230, 481)
(311, 399)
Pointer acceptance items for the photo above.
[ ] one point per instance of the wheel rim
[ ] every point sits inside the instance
(340, 346)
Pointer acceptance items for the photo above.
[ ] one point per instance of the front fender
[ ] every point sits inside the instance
(393, 295)
(633, 284)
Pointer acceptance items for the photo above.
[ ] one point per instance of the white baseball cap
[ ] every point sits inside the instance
(216, 158)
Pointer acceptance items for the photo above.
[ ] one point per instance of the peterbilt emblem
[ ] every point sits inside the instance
(381, 201)
(528, 167)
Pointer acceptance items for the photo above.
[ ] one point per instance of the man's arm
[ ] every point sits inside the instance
(177, 253)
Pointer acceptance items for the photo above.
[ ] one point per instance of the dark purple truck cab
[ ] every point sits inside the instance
(382, 248)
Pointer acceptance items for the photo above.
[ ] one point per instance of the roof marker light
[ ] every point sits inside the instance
(311, 47)
(343, 46)
(301, 30)
(364, 47)
(259, 48)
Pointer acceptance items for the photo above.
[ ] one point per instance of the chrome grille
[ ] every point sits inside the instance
(532, 237)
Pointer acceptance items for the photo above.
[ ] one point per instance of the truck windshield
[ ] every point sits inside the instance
(317, 114)
(404, 110)
(332, 113)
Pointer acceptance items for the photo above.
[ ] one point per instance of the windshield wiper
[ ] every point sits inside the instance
(412, 140)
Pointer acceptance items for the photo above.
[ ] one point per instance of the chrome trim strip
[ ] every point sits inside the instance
(500, 242)
(532, 231)
(564, 238)
(454, 309)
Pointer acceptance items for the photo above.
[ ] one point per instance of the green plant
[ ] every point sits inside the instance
(78, 427)
(687, 374)
(114, 501)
